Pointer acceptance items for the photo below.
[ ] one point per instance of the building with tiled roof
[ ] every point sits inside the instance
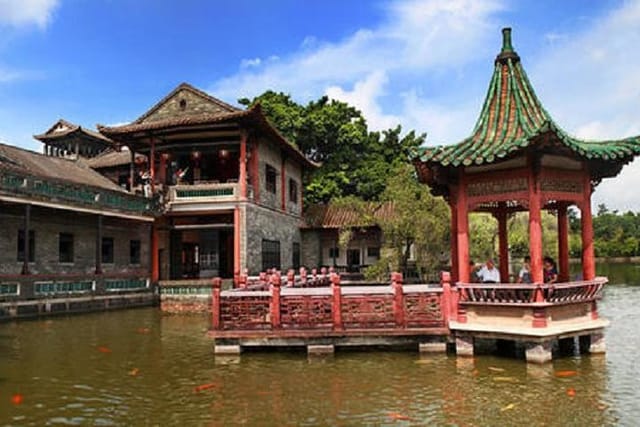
(65, 139)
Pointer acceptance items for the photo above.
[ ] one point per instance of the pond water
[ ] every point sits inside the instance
(138, 367)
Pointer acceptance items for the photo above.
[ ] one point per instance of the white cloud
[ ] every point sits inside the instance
(25, 12)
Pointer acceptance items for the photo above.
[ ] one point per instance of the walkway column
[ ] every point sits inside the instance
(242, 179)
(236, 242)
(27, 248)
(535, 227)
(454, 240)
(99, 246)
(563, 243)
(588, 253)
(501, 216)
(462, 230)
(131, 169)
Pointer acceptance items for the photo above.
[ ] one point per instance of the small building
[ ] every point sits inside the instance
(230, 185)
(321, 235)
(65, 139)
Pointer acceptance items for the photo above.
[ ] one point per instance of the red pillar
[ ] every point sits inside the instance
(152, 165)
(462, 231)
(454, 239)
(588, 254)
(254, 172)
(501, 216)
(236, 242)
(242, 179)
(215, 303)
(398, 299)
(563, 243)
(336, 302)
(535, 228)
(155, 261)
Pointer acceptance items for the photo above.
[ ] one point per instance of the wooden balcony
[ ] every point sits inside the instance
(185, 195)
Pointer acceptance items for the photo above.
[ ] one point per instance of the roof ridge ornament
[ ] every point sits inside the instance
(507, 51)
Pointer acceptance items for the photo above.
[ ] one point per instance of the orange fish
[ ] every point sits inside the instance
(143, 330)
(397, 416)
(134, 372)
(205, 387)
(571, 392)
(102, 349)
(565, 374)
(16, 399)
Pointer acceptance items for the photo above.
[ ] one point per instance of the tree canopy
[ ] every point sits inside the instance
(355, 161)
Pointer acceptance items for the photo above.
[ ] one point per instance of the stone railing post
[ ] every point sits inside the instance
(276, 281)
(336, 305)
(303, 277)
(243, 280)
(446, 302)
(461, 315)
(216, 319)
(291, 277)
(539, 313)
(398, 299)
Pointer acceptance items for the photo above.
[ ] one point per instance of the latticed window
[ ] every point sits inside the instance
(32, 245)
(271, 178)
(293, 191)
(65, 247)
(107, 250)
(270, 254)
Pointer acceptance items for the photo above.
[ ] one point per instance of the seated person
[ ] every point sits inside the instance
(489, 273)
(524, 276)
(550, 271)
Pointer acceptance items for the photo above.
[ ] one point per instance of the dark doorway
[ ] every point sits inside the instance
(353, 260)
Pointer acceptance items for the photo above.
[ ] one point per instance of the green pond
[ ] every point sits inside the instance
(139, 367)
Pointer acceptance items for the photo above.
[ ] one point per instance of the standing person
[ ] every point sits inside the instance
(473, 272)
(145, 177)
(550, 271)
(489, 273)
(524, 276)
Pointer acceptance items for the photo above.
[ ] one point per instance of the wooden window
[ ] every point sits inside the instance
(65, 247)
(270, 254)
(334, 252)
(293, 191)
(295, 262)
(271, 178)
(32, 245)
(107, 250)
(373, 252)
(134, 252)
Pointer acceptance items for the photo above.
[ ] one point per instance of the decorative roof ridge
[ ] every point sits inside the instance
(186, 86)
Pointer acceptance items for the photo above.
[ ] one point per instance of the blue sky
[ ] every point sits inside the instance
(422, 63)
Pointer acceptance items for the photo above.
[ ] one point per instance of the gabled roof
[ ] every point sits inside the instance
(63, 128)
(56, 168)
(111, 158)
(335, 216)
(214, 105)
(513, 118)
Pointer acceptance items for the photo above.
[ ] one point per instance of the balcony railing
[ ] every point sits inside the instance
(77, 194)
(204, 192)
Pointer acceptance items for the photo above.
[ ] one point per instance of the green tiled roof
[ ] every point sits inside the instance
(512, 118)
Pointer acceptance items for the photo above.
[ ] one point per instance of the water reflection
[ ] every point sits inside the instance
(155, 367)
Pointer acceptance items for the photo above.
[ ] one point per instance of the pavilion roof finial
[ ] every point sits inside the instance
(507, 51)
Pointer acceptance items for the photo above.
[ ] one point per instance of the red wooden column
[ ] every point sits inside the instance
(155, 261)
(215, 303)
(462, 230)
(563, 243)
(242, 178)
(454, 239)
(588, 254)
(254, 171)
(501, 216)
(535, 227)
(152, 165)
(236, 242)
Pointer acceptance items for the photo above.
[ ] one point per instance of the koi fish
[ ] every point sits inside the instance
(17, 399)
(398, 416)
(571, 392)
(134, 372)
(103, 349)
(204, 387)
(508, 407)
(493, 369)
(565, 374)
(505, 379)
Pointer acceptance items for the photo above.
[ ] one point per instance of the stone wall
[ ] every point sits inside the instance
(184, 102)
(47, 224)
(269, 155)
(263, 223)
(310, 248)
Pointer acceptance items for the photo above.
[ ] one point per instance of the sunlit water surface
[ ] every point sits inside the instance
(138, 367)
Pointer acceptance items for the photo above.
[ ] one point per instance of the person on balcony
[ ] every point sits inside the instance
(489, 273)
(550, 271)
(524, 276)
(145, 178)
